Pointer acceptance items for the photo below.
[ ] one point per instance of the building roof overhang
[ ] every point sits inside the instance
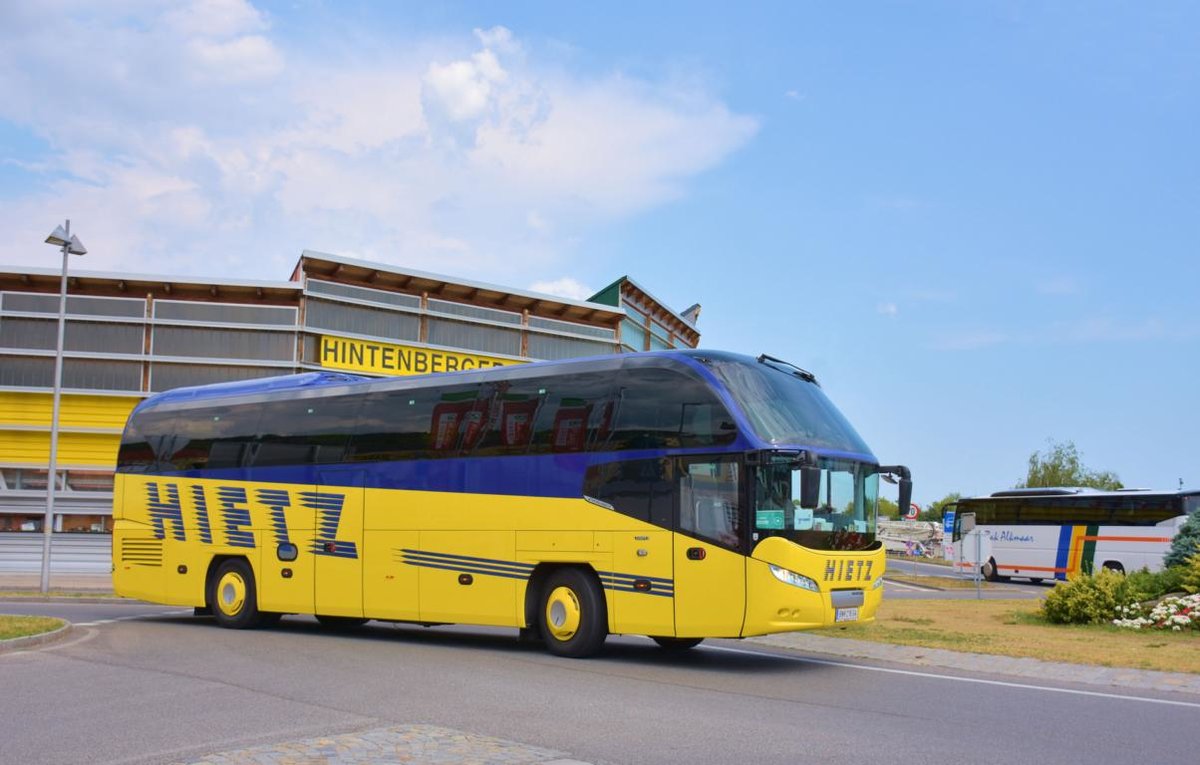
(339, 268)
(116, 284)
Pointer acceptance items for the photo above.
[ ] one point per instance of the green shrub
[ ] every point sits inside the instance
(1189, 575)
(1151, 585)
(1088, 599)
(1186, 543)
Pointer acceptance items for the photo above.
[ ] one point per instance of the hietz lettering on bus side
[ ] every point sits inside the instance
(234, 505)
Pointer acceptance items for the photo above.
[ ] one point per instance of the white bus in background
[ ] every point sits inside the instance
(1054, 533)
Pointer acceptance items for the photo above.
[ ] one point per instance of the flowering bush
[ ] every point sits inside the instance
(1171, 613)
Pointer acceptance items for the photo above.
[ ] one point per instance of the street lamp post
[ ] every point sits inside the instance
(70, 245)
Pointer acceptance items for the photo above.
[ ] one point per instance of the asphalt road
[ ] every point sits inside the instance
(168, 688)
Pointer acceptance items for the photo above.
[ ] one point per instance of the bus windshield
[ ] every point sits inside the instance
(844, 518)
(786, 409)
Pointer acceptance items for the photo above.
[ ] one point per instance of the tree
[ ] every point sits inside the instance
(1186, 543)
(937, 510)
(1060, 465)
(888, 509)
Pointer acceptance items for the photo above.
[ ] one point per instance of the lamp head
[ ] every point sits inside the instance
(58, 237)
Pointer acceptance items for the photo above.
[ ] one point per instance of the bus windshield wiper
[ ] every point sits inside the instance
(790, 368)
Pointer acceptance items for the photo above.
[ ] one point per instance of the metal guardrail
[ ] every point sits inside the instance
(21, 553)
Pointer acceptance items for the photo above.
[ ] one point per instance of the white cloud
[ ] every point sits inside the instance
(564, 287)
(887, 309)
(250, 57)
(215, 18)
(193, 139)
(464, 88)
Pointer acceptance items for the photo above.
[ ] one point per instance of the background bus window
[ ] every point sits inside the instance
(708, 502)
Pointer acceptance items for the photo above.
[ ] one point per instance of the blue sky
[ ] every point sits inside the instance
(976, 222)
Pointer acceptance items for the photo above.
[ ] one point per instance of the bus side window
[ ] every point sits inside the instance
(641, 489)
(146, 442)
(393, 425)
(708, 502)
(513, 407)
(663, 408)
(304, 431)
(215, 437)
(576, 414)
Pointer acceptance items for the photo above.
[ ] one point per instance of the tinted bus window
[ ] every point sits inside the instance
(512, 408)
(662, 409)
(392, 425)
(304, 431)
(642, 489)
(417, 424)
(146, 442)
(577, 414)
(213, 437)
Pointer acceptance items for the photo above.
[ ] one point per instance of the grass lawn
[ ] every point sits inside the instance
(1011, 628)
(23, 626)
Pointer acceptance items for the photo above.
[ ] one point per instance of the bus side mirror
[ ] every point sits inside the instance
(905, 500)
(810, 486)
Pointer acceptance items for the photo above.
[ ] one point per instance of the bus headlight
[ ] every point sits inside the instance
(794, 579)
(878, 583)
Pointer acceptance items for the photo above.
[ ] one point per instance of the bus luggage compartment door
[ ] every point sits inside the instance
(710, 589)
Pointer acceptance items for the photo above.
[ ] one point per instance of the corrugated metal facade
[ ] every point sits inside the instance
(127, 336)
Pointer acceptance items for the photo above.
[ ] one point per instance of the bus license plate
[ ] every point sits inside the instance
(846, 615)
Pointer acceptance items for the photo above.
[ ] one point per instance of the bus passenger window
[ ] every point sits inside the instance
(708, 502)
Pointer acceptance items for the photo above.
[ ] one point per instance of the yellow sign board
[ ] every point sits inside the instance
(390, 359)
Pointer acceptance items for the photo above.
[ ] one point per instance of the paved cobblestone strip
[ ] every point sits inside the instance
(398, 744)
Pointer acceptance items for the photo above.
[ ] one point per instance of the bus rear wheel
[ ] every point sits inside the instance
(233, 596)
(989, 570)
(574, 620)
(677, 644)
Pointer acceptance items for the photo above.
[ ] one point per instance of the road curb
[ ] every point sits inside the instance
(31, 641)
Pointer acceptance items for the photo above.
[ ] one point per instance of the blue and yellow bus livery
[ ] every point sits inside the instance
(679, 495)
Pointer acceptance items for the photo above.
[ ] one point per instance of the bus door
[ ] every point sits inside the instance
(337, 502)
(710, 561)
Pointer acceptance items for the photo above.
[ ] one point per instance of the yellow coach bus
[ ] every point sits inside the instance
(678, 495)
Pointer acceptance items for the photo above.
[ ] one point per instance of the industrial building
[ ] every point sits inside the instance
(130, 335)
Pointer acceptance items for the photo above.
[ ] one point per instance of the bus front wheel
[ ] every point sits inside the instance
(233, 597)
(574, 621)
